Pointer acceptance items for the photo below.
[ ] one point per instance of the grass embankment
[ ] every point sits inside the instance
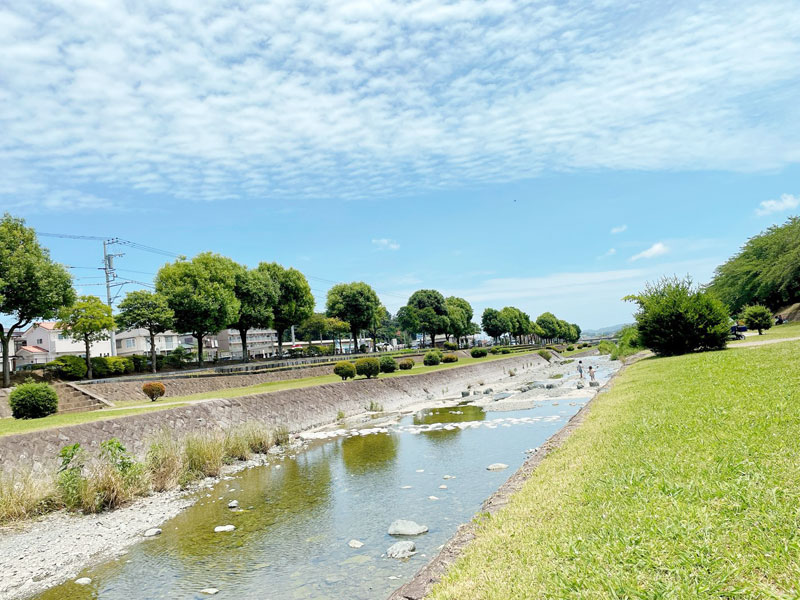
(776, 332)
(10, 426)
(683, 482)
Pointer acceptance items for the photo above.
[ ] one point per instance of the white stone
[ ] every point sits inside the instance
(496, 467)
(432, 498)
(355, 544)
(443, 487)
(401, 550)
(224, 528)
(233, 504)
(420, 470)
(83, 581)
(152, 532)
(209, 591)
(404, 527)
(449, 477)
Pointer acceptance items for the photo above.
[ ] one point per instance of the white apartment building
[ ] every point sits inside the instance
(261, 343)
(44, 342)
(137, 341)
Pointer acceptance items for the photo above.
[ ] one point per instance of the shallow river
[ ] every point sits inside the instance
(291, 540)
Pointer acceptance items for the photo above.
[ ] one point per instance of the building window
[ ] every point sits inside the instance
(169, 340)
(62, 335)
(119, 344)
(130, 343)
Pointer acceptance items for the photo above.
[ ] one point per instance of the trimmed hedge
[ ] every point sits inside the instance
(33, 400)
(450, 346)
(388, 364)
(478, 352)
(369, 367)
(68, 367)
(154, 390)
(432, 358)
(449, 358)
(545, 355)
(345, 370)
(406, 364)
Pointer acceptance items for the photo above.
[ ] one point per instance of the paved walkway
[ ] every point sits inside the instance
(763, 342)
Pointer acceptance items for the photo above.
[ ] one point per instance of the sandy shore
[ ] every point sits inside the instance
(42, 553)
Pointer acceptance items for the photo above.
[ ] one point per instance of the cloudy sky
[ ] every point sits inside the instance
(553, 156)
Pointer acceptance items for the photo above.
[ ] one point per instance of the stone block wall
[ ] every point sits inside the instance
(5, 409)
(296, 409)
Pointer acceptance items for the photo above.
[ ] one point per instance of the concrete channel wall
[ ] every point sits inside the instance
(297, 409)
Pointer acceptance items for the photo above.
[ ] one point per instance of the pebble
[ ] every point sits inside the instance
(224, 528)
(449, 477)
(443, 487)
(152, 532)
(83, 581)
(233, 504)
(209, 591)
(355, 544)
(432, 498)
(497, 467)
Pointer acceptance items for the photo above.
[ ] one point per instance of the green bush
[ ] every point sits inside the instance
(495, 350)
(406, 364)
(757, 317)
(570, 348)
(676, 317)
(450, 346)
(120, 364)
(368, 366)
(345, 370)
(606, 347)
(68, 367)
(176, 357)
(545, 354)
(154, 390)
(505, 350)
(33, 400)
(388, 364)
(100, 366)
(431, 358)
(478, 352)
(140, 362)
(449, 358)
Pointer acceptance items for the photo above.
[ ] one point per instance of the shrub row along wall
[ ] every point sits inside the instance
(296, 409)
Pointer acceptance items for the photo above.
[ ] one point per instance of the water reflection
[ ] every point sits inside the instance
(461, 414)
(365, 453)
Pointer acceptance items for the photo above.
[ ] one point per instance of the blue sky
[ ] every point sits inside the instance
(552, 156)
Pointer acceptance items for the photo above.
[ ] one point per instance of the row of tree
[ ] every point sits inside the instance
(517, 324)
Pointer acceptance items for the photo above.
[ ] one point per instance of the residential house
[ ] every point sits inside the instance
(44, 342)
(137, 341)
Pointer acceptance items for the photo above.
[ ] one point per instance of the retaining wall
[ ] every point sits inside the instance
(296, 409)
(5, 409)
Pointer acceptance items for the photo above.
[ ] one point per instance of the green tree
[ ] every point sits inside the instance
(357, 303)
(295, 301)
(493, 323)
(548, 323)
(32, 286)
(201, 293)
(431, 311)
(675, 317)
(577, 332)
(257, 294)
(757, 317)
(89, 320)
(141, 309)
(459, 315)
(408, 320)
(380, 325)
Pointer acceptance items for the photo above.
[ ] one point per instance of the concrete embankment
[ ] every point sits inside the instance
(296, 409)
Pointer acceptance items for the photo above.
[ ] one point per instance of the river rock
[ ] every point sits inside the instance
(496, 467)
(355, 544)
(209, 591)
(432, 498)
(403, 527)
(488, 391)
(224, 528)
(233, 504)
(580, 385)
(83, 581)
(465, 394)
(443, 487)
(594, 384)
(152, 532)
(401, 550)
(449, 477)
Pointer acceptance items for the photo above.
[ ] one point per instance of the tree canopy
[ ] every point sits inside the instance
(146, 310)
(257, 294)
(431, 312)
(32, 286)
(765, 271)
(494, 323)
(356, 303)
(88, 320)
(295, 302)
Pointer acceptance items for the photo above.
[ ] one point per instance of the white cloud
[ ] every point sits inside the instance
(657, 249)
(786, 202)
(214, 101)
(386, 244)
(610, 252)
(619, 229)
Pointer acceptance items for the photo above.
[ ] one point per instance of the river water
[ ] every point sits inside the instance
(291, 539)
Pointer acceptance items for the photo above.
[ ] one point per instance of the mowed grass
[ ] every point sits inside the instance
(683, 482)
(10, 426)
(776, 332)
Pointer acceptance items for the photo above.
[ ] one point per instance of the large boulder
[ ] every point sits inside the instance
(403, 527)
(401, 550)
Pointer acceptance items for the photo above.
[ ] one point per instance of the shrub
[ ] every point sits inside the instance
(164, 461)
(340, 415)
(71, 482)
(374, 406)
(478, 352)
(449, 358)
(370, 367)
(545, 354)
(120, 364)
(140, 362)
(203, 454)
(260, 438)
(388, 364)
(154, 390)
(281, 435)
(676, 317)
(117, 479)
(431, 358)
(33, 400)
(237, 446)
(406, 364)
(345, 370)
(25, 494)
(100, 366)
(362, 348)
(450, 346)
(68, 367)
(570, 348)
(495, 350)
(606, 347)
(505, 350)
(757, 317)
(176, 357)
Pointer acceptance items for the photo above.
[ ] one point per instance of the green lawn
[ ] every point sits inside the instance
(8, 426)
(683, 483)
(787, 330)
(567, 353)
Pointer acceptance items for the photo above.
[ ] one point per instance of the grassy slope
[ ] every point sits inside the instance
(787, 330)
(8, 426)
(684, 482)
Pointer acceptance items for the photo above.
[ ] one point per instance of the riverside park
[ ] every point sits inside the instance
(399, 300)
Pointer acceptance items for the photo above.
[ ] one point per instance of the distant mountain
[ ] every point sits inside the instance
(611, 329)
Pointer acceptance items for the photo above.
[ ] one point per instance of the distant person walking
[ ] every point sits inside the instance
(580, 368)
(591, 373)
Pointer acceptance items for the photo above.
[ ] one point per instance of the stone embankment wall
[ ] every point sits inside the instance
(296, 409)
(5, 409)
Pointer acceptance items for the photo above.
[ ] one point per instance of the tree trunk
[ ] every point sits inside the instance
(280, 342)
(199, 338)
(88, 359)
(354, 332)
(245, 353)
(6, 339)
(153, 350)
(340, 345)
(374, 343)
(433, 340)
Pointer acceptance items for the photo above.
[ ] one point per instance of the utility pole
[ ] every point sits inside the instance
(108, 269)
